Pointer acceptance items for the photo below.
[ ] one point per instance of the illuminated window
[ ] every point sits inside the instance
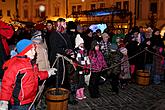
(0, 12)
(8, 13)
(118, 5)
(93, 6)
(102, 5)
(73, 8)
(39, 0)
(153, 7)
(56, 11)
(25, 13)
(126, 5)
(25, 1)
(37, 12)
(79, 8)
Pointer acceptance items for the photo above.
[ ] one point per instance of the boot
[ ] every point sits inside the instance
(78, 94)
(82, 93)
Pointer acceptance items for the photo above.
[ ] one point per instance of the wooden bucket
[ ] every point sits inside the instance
(57, 99)
(142, 77)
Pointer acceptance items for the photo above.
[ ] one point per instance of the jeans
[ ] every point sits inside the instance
(22, 107)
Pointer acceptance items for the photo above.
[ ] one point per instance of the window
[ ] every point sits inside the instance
(56, 11)
(25, 1)
(93, 6)
(25, 13)
(37, 12)
(0, 12)
(118, 5)
(79, 8)
(3, 0)
(39, 0)
(126, 5)
(153, 7)
(73, 8)
(102, 5)
(8, 13)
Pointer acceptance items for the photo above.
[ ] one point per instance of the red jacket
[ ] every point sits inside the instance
(7, 32)
(20, 81)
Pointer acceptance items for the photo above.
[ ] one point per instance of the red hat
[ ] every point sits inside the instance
(6, 30)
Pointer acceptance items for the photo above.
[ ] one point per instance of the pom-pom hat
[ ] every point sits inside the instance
(24, 46)
(78, 41)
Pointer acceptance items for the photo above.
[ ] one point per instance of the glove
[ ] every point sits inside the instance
(3, 105)
(52, 71)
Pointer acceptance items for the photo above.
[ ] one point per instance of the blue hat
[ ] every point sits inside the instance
(23, 46)
(114, 47)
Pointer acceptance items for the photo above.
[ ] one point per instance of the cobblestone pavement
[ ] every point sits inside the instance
(133, 97)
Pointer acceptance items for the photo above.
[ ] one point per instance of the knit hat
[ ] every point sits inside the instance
(78, 40)
(24, 46)
(36, 35)
(114, 47)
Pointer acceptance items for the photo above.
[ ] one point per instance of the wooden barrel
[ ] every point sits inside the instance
(142, 77)
(57, 99)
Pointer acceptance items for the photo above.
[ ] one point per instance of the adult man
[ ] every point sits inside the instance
(60, 43)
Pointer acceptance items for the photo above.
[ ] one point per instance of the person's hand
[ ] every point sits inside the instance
(3, 105)
(52, 71)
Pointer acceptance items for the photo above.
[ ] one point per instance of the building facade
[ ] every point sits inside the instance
(7, 10)
(143, 12)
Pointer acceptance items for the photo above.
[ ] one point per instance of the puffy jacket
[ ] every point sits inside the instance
(97, 61)
(20, 81)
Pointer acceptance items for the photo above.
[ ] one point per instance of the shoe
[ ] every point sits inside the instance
(84, 97)
(79, 98)
(74, 102)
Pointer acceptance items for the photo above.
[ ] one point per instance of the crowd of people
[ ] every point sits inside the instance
(96, 57)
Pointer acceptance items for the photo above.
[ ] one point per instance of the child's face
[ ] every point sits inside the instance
(81, 45)
(97, 47)
(31, 53)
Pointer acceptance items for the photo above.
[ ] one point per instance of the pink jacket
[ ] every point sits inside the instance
(97, 61)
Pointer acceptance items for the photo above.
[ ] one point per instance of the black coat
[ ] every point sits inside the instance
(59, 43)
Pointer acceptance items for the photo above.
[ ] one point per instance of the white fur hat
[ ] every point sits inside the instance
(78, 40)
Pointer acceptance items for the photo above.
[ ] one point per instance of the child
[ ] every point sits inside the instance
(115, 58)
(97, 64)
(83, 60)
(158, 70)
(20, 81)
(125, 68)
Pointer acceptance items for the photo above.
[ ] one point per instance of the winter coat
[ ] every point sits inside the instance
(59, 43)
(42, 57)
(157, 65)
(97, 61)
(115, 58)
(20, 81)
(125, 68)
(105, 49)
(7, 32)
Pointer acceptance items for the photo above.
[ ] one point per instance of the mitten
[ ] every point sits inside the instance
(52, 71)
(3, 105)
